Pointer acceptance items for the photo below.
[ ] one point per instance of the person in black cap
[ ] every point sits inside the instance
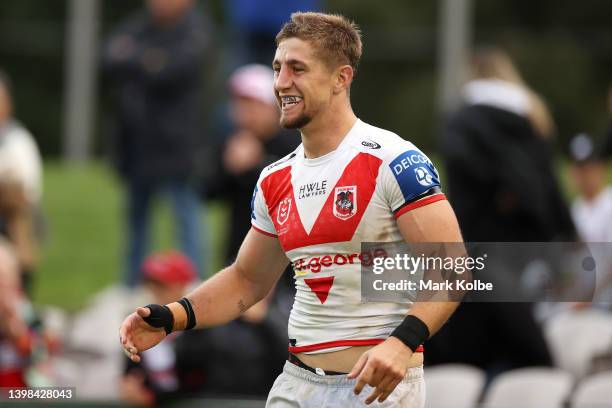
(592, 209)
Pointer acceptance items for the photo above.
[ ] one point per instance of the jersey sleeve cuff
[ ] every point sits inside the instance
(261, 231)
(419, 203)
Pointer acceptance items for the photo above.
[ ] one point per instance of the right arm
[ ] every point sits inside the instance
(232, 291)
(220, 299)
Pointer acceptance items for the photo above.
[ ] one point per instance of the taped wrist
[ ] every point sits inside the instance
(412, 332)
(161, 316)
(191, 319)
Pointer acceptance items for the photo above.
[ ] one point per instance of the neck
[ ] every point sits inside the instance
(325, 134)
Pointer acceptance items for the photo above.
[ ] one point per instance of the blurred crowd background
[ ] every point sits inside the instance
(132, 134)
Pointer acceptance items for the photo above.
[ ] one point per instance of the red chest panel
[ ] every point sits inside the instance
(339, 216)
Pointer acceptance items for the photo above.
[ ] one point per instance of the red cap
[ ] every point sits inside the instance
(169, 267)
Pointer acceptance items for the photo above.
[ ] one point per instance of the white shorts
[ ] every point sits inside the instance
(300, 388)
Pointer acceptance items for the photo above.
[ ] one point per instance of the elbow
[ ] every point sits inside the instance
(251, 287)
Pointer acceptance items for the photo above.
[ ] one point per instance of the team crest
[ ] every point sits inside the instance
(345, 202)
(284, 208)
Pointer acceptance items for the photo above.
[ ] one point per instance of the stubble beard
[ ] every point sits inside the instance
(296, 123)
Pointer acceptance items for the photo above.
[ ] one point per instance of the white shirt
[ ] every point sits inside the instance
(593, 218)
(20, 160)
(321, 210)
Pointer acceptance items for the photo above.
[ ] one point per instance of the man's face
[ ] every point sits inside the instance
(303, 83)
(589, 178)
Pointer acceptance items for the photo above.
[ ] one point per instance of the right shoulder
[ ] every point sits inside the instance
(286, 161)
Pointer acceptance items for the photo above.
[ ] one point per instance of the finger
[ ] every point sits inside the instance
(386, 388)
(132, 354)
(372, 397)
(389, 389)
(129, 351)
(377, 379)
(122, 335)
(364, 378)
(358, 366)
(143, 311)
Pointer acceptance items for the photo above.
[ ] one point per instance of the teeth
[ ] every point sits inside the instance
(291, 99)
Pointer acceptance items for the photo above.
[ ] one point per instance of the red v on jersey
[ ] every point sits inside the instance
(336, 222)
(320, 286)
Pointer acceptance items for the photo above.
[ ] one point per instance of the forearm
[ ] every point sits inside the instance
(433, 314)
(220, 299)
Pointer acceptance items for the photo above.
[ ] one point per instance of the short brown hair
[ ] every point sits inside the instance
(337, 39)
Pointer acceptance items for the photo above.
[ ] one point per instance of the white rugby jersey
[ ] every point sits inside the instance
(321, 210)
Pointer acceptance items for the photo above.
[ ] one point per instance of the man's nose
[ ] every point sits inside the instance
(283, 79)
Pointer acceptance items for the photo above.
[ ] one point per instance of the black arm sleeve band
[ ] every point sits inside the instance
(191, 319)
(161, 316)
(412, 332)
(432, 191)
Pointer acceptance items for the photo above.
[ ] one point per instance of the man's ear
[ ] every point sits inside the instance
(344, 78)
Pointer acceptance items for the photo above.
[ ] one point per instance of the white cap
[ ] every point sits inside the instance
(253, 81)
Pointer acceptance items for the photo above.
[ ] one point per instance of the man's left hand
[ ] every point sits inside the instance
(382, 367)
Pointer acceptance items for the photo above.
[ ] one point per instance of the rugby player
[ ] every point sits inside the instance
(347, 183)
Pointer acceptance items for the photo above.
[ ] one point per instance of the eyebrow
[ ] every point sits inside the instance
(292, 61)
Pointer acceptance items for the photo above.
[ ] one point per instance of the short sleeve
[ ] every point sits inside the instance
(410, 180)
(260, 218)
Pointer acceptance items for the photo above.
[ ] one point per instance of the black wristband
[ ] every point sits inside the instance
(160, 316)
(412, 332)
(191, 319)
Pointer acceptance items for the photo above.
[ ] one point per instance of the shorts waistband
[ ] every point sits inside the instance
(296, 361)
(413, 374)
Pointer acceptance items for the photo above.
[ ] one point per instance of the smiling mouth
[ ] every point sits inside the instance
(288, 102)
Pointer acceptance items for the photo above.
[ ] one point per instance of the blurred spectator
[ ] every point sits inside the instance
(592, 209)
(500, 169)
(24, 347)
(14, 338)
(501, 183)
(155, 59)
(254, 26)
(20, 185)
(159, 377)
(257, 141)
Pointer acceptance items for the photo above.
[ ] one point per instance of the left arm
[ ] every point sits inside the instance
(432, 223)
(385, 365)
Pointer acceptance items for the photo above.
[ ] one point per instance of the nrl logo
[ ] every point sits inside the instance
(370, 144)
(284, 208)
(345, 202)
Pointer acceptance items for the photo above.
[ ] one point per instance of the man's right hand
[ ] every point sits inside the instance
(136, 335)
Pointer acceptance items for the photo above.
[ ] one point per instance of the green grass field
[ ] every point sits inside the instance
(83, 251)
